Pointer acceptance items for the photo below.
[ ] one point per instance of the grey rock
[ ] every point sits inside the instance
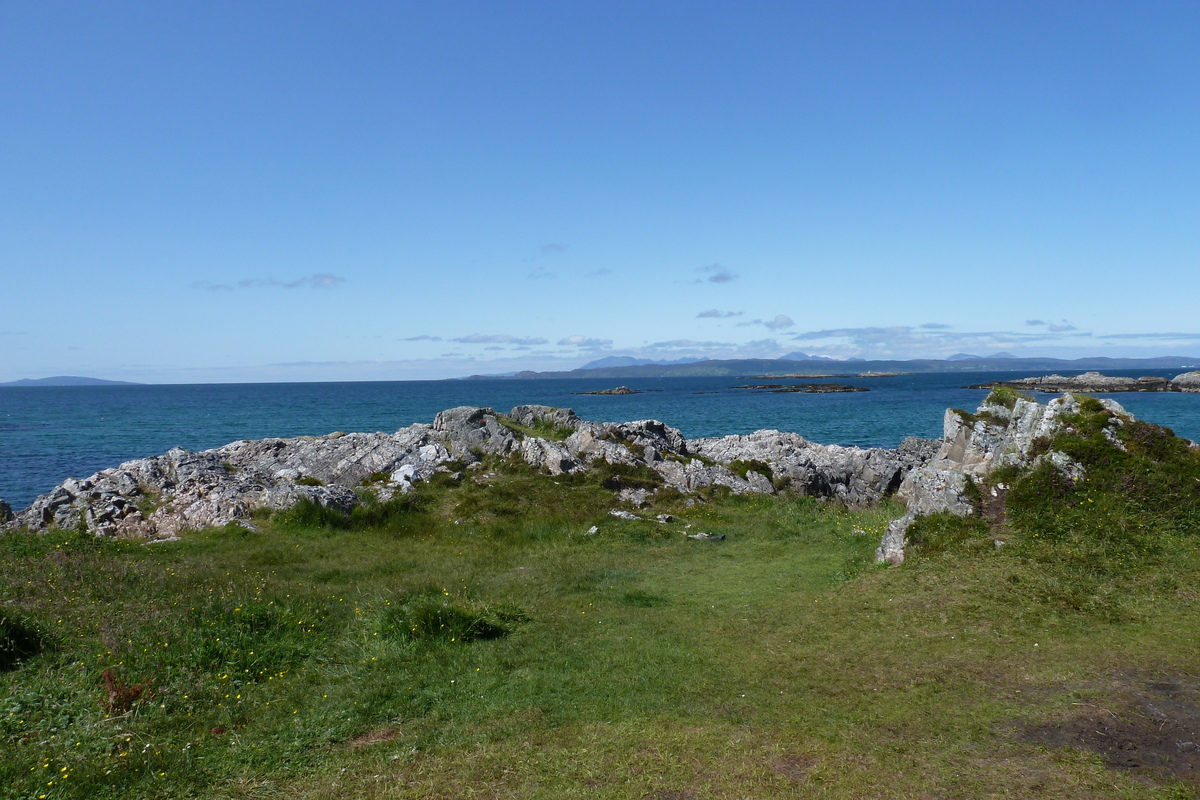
(634, 497)
(1187, 382)
(619, 514)
(553, 457)
(6, 512)
(532, 415)
(853, 475)
(971, 449)
(470, 432)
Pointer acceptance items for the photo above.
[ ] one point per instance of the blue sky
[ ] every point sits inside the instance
(211, 191)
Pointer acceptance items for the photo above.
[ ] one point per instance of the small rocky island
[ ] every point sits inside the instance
(805, 388)
(618, 390)
(1099, 383)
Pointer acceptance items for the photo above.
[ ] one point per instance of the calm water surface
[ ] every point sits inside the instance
(48, 434)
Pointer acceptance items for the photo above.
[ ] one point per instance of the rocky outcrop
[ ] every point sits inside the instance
(157, 498)
(975, 444)
(1187, 382)
(1096, 382)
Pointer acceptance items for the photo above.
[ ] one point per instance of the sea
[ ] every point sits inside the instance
(51, 433)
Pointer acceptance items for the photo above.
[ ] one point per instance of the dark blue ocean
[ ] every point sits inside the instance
(48, 434)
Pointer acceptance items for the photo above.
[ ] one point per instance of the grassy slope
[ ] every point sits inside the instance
(639, 663)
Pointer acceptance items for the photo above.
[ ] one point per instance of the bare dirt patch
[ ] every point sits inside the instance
(993, 507)
(794, 768)
(1150, 725)
(387, 733)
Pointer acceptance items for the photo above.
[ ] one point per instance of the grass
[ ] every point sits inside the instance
(473, 639)
(541, 428)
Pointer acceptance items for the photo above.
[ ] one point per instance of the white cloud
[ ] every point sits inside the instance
(584, 342)
(904, 342)
(780, 321)
(713, 313)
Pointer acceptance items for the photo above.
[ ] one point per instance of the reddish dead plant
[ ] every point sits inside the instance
(121, 697)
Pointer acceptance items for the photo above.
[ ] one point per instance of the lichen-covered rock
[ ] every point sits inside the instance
(470, 432)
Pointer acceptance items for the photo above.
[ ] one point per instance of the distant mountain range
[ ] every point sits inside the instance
(67, 380)
(630, 361)
(969, 357)
(798, 356)
(800, 363)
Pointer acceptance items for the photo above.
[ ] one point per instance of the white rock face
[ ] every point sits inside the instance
(970, 450)
(157, 498)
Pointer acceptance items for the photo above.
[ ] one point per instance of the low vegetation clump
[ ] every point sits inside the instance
(743, 467)
(433, 614)
(540, 429)
(19, 639)
(495, 632)
(1005, 396)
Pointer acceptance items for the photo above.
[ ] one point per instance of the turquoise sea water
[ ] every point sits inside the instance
(48, 434)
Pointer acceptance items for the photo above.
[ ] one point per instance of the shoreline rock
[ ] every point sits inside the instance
(1095, 382)
(158, 498)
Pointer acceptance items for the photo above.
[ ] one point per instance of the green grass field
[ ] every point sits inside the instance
(473, 640)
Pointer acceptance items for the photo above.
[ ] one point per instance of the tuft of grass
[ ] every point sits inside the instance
(623, 476)
(433, 614)
(1005, 396)
(541, 429)
(742, 467)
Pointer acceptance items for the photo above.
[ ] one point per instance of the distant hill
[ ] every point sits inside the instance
(68, 380)
(630, 361)
(748, 367)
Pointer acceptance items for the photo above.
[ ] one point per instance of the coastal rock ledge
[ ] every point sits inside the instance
(158, 498)
(1095, 382)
